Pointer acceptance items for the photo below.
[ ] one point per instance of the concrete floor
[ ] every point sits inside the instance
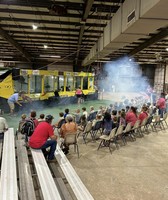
(137, 171)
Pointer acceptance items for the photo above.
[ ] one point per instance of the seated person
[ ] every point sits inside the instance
(83, 123)
(92, 109)
(131, 116)
(115, 122)
(77, 115)
(122, 119)
(3, 127)
(41, 119)
(143, 114)
(114, 114)
(23, 118)
(21, 122)
(66, 112)
(85, 112)
(61, 117)
(98, 118)
(69, 127)
(107, 123)
(33, 117)
(39, 138)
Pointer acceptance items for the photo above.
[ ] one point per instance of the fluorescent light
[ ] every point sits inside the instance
(49, 56)
(45, 46)
(34, 27)
(55, 56)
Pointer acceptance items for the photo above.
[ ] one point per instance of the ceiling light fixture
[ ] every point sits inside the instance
(34, 27)
(45, 46)
(49, 56)
(167, 49)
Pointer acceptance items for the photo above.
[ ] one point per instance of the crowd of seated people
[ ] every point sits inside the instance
(111, 116)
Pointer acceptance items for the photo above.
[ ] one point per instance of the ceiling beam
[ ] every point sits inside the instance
(47, 13)
(54, 22)
(78, 6)
(88, 7)
(8, 38)
(20, 32)
(157, 37)
(62, 29)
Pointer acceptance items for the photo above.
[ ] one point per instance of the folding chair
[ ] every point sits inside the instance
(156, 122)
(127, 132)
(97, 127)
(143, 126)
(118, 134)
(71, 139)
(92, 116)
(86, 131)
(164, 120)
(136, 127)
(149, 123)
(107, 139)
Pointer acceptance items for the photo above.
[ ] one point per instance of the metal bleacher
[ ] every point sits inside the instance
(26, 175)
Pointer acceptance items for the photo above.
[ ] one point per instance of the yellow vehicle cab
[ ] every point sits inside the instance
(41, 85)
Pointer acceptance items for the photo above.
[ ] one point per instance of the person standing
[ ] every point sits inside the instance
(79, 94)
(40, 136)
(14, 99)
(3, 127)
(161, 104)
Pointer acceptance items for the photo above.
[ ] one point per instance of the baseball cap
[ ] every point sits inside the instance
(49, 117)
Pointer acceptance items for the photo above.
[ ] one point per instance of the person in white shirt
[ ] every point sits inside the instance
(85, 112)
(3, 127)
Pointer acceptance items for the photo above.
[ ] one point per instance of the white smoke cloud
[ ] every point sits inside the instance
(123, 75)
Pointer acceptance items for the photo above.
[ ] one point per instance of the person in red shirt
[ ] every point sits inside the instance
(40, 136)
(161, 104)
(143, 114)
(131, 116)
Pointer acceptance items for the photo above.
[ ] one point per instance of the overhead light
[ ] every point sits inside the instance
(166, 49)
(34, 27)
(55, 56)
(45, 46)
(49, 56)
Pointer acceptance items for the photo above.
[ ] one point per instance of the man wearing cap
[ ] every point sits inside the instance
(40, 136)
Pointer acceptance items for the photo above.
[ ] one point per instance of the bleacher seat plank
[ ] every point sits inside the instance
(73, 179)
(25, 178)
(48, 186)
(65, 194)
(8, 182)
(64, 190)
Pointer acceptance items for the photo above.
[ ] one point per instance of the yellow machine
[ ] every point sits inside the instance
(45, 84)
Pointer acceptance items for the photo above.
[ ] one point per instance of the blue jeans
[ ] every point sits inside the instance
(161, 112)
(52, 144)
(1, 135)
